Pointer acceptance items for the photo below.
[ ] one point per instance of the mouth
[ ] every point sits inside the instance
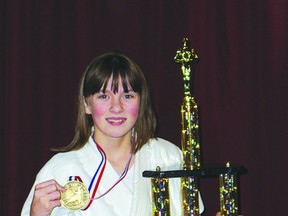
(116, 121)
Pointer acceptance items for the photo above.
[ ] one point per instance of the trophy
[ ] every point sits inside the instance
(190, 139)
(192, 170)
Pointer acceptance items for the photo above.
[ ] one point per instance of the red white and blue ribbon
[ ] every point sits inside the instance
(96, 179)
(75, 178)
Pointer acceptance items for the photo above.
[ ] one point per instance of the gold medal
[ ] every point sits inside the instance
(76, 195)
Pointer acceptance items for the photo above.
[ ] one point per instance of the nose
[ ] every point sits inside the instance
(116, 105)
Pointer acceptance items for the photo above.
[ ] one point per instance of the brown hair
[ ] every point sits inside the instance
(95, 78)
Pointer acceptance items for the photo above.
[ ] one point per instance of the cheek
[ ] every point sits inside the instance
(134, 110)
(98, 111)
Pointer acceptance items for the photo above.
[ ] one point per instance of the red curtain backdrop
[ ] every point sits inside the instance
(240, 84)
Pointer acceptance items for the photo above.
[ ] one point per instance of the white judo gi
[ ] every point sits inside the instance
(131, 197)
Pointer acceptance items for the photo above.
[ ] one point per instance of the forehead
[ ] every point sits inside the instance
(116, 84)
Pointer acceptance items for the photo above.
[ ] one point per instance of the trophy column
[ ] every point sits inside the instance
(160, 196)
(228, 192)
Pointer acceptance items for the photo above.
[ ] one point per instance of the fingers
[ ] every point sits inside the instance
(46, 197)
(50, 184)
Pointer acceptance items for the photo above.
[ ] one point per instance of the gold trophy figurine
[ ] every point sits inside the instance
(190, 138)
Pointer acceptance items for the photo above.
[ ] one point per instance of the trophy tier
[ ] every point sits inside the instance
(202, 172)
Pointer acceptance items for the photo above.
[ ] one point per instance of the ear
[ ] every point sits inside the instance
(87, 107)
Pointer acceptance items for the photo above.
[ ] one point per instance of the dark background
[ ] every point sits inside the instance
(240, 84)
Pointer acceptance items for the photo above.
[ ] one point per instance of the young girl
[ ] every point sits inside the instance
(114, 143)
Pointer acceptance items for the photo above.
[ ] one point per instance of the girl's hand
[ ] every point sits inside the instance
(46, 197)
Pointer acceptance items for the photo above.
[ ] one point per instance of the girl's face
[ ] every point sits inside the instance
(114, 114)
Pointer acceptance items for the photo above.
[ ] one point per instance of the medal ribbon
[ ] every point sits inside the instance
(100, 171)
(122, 176)
(101, 166)
(75, 178)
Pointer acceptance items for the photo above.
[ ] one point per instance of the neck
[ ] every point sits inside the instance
(115, 146)
(118, 151)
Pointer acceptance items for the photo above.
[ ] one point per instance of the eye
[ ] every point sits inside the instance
(130, 95)
(102, 96)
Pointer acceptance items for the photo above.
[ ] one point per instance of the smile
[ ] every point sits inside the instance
(116, 120)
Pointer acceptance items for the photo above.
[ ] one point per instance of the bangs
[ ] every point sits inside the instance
(125, 75)
(115, 67)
